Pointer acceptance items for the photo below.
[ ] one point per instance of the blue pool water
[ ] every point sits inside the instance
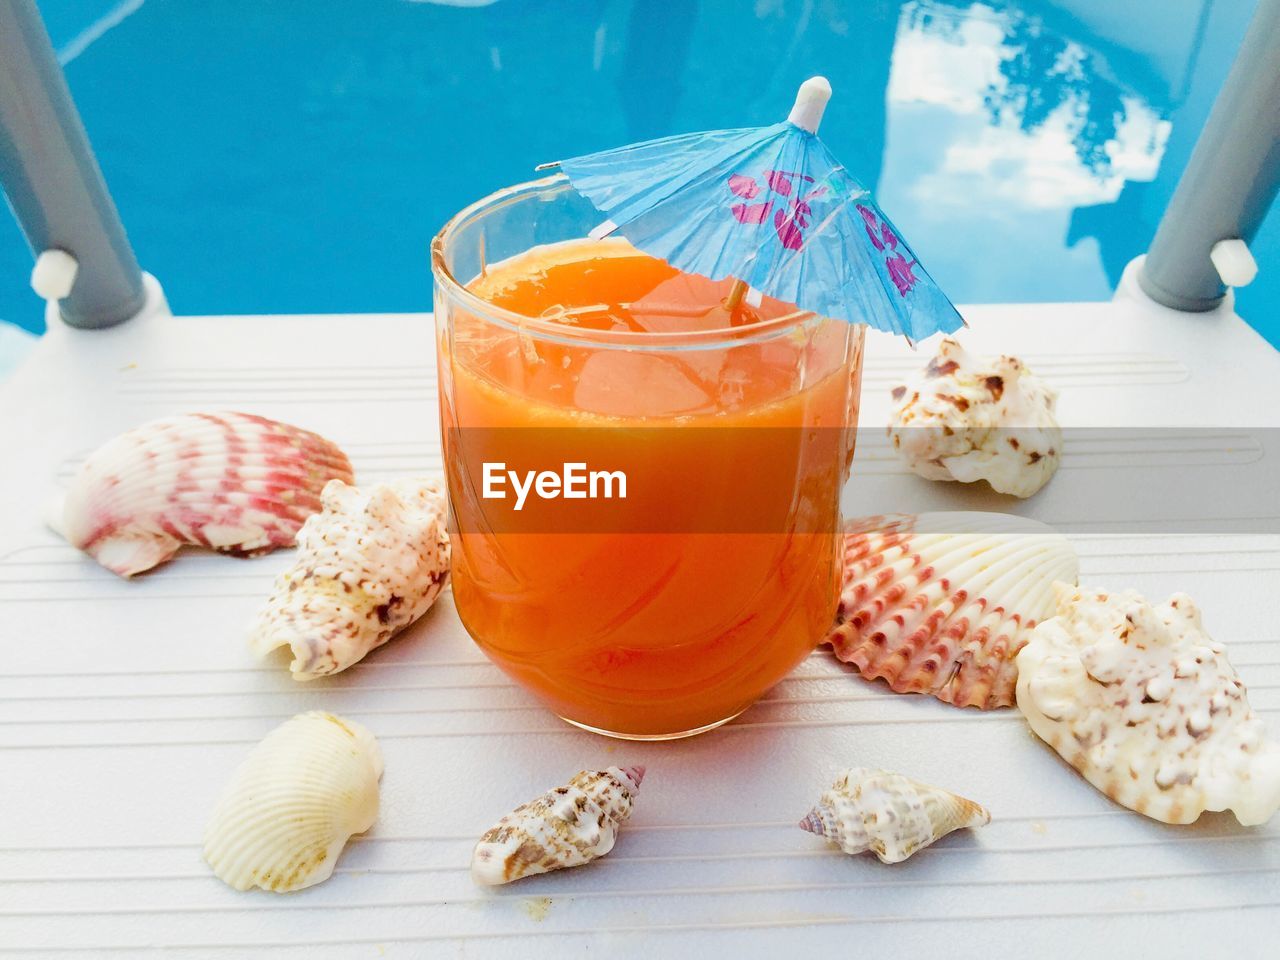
(286, 157)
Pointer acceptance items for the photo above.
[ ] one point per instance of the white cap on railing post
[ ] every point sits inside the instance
(1234, 262)
(54, 274)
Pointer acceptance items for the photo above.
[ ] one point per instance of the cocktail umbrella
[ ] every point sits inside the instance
(772, 208)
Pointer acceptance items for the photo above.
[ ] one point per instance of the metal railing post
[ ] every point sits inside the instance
(1230, 180)
(52, 180)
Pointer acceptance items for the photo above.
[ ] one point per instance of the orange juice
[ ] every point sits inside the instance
(672, 607)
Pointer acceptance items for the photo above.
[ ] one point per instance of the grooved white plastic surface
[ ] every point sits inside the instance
(124, 707)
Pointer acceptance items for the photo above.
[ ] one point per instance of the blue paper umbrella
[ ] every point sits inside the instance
(772, 208)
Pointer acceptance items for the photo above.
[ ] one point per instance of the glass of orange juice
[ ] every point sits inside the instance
(644, 483)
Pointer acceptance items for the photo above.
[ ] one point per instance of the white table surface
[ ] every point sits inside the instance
(124, 706)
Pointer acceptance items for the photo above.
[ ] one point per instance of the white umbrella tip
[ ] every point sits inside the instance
(811, 100)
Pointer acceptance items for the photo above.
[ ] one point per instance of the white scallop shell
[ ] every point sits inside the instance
(370, 563)
(1140, 700)
(565, 827)
(293, 803)
(891, 815)
(941, 603)
(970, 418)
(233, 482)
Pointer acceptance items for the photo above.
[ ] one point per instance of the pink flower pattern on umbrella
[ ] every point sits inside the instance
(900, 273)
(780, 180)
(789, 222)
(744, 187)
(883, 238)
(873, 226)
(752, 212)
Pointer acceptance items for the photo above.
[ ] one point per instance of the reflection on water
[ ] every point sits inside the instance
(999, 128)
(1042, 74)
(1091, 110)
(287, 158)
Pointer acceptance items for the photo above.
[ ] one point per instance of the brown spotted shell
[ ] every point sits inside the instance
(565, 827)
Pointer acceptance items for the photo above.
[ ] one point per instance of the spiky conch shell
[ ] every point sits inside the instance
(565, 827)
(234, 482)
(941, 603)
(971, 418)
(293, 803)
(1147, 707)
(889, 814)
(370, 563)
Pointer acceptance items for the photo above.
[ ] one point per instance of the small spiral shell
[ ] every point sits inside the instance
(565, 827)
(891, 815)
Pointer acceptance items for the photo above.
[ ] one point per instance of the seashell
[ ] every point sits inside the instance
(969, 418)
(941, 603)
(233, 482)
(565, 827)
(293, 803)
(891, 815)
(370, 563)
(1140, 700)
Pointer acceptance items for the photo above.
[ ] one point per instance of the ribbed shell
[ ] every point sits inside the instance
(369, 564)
(891, 815)
(941, 603)
(293, 803)
(1145, 704)
(565, 827)
(234, 482)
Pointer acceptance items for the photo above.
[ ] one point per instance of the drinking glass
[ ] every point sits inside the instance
(666, 608)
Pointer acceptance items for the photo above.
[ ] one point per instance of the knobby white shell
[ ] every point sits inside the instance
(891, 815)
(970, 418)
(234, 482)
(1140, 700)
(370, 563)
(941, 603)
(293, 803)
(565, 827)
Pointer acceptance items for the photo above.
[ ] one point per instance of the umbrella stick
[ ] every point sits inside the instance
(735, 295)
(811, 101)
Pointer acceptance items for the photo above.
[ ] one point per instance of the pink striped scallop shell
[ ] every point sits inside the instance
(233, 482)
(941, 603)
